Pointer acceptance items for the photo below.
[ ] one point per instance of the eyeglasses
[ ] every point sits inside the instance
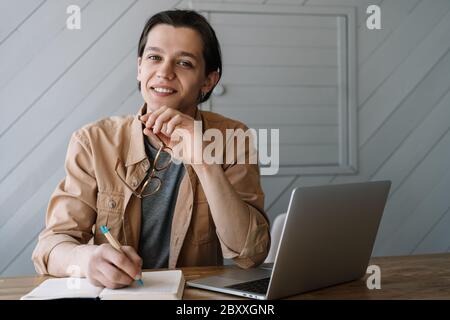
(159, 164)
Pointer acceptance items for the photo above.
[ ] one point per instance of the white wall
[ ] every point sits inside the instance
(54, 80)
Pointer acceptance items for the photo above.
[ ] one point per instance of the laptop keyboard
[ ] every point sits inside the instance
(257, 286)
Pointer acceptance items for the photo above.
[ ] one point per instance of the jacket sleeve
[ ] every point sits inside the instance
(245, 179)
(71, 211)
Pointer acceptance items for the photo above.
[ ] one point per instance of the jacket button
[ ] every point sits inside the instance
(134, 183)
(111, 204)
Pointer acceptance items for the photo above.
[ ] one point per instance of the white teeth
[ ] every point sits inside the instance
(163, 90)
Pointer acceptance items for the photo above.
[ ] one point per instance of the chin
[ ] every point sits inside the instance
(155, 104)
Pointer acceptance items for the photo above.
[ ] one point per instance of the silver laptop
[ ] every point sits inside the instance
(327, 239)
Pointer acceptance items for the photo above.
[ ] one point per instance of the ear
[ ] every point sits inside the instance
(210, 81)
(139, 61)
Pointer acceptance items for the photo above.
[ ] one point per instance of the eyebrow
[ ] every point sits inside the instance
(178, 53)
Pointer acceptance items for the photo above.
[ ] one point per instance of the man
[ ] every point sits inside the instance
(167, 216)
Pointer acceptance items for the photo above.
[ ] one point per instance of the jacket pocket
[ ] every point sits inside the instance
(110, 207)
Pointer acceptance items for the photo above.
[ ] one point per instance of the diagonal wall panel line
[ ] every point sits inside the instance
(386, 238)
(379, 129)
(32, 239)
(379, 44)
(405, 98)
(66, 70)
(43, 208)
(71, 111)
(430, 230)
(282, 193)
(389, 156)
(22, 22)
(24, 65)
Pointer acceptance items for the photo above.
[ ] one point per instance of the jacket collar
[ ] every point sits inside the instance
(136, 150)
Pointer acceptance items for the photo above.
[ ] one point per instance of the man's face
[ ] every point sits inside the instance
(173, 60)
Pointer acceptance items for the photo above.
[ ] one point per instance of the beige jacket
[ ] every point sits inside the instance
(92, 195)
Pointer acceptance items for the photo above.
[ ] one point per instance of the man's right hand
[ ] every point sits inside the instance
(110, 268)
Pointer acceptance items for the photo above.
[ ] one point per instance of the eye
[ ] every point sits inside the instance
(153, 57)
(185, 63)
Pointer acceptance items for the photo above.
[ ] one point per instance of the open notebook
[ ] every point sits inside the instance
(158, 285)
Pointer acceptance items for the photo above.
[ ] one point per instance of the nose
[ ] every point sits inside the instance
(165, 71)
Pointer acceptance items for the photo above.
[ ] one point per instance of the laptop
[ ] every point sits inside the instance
(327, 239)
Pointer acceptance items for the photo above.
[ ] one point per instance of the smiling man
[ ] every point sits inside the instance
(120, 173)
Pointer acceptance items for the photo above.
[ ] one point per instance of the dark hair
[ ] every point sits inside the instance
(191, 19)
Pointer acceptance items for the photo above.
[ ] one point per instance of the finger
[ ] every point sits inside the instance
(105, 282)
(147, 132)
(98, 279)
(93, 279)
(96, 283)
(164, 139)
(115, 275)
(143, 118)
(171, 125)
(155, 140)
(152, 118)
(164, 129)
(162, 118)
(132, 255)
(121, 261)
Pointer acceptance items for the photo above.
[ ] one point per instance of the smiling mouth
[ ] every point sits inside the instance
(162, 90)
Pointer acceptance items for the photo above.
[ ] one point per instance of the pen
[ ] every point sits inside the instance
(112, 241)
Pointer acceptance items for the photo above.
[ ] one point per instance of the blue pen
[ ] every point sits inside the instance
(116, 246)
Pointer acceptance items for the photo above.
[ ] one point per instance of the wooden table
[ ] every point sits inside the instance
(406, 277)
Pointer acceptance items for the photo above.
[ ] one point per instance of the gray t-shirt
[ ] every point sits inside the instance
(157, 213)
